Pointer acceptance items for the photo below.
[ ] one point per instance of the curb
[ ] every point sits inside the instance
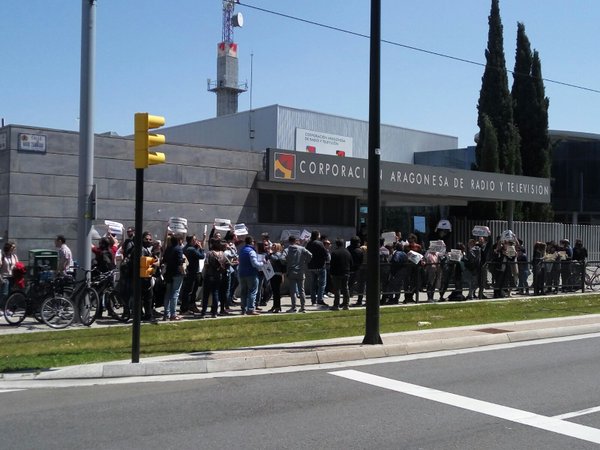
(314, 356)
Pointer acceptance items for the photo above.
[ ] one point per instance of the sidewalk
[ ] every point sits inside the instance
(327, 351)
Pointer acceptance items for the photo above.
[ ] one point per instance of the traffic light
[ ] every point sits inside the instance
(146, 266)
(144, 140)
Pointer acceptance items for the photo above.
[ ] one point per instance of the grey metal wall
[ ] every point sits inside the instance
(253, 131)
(275, 126)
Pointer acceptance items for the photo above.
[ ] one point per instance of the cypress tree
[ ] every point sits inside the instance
(494, 98)
(490, 163)
(530, 106)
(495, 102)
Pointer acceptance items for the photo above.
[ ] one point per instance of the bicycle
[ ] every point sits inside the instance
(592, 277)
(110, 297)
(82, 294)
(43, 301)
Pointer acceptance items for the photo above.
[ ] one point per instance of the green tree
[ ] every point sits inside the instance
(494, 98)
(495, 102)
(489, 163)
(530, 108)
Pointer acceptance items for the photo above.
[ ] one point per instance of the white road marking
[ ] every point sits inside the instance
(583, 412)
(32, 383)
(552, 424)
(3, 391)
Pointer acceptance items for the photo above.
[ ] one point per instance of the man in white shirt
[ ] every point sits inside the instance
(65, 257)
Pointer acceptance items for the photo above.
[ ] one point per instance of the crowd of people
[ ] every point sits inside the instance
(218, 274)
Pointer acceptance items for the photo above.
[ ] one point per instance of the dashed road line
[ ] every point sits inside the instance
(553, 424)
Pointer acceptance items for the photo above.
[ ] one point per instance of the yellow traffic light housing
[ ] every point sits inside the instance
(144, 140)
(146, 266)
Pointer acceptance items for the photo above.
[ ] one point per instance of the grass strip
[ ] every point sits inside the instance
(42, 350)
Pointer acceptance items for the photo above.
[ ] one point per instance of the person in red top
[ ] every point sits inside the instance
(412, 243)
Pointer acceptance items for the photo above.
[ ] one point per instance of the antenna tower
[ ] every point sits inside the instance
(226, 86)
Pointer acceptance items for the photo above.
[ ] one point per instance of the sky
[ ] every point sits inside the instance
(156, 56)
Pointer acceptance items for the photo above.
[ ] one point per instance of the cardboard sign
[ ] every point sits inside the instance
(305, 235)
(481, 230)
(437, 247)
(177, 225)
(285, 234)
(414, 257)
(268, 270)
(240, 229)
(455, 255)
(388, 237)
(222, 225)
(114, 227)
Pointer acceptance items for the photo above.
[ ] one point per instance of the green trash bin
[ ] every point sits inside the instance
(42, 264)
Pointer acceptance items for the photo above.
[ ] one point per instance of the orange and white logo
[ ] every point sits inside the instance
(284, 166)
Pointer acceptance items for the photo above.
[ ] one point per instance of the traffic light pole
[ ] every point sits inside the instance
(143, 157)
(137, 254)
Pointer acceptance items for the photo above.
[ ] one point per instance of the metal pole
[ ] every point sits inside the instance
(86, 135)
(374, 215)
(137, 254)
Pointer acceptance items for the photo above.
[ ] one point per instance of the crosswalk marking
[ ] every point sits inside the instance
(583, 412)
(553, 424)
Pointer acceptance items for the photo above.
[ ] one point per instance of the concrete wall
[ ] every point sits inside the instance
(40, 201)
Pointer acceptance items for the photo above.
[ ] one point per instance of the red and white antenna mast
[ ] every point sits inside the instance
(226, 86)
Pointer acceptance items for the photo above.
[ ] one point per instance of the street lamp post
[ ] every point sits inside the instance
(373, 215)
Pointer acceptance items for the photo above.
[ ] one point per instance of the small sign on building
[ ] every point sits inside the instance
(32, 143)
(323, 143)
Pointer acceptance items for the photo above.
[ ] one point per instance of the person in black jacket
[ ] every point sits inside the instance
(340, 265)
(316, 268)
(357, 259)
(194, 253)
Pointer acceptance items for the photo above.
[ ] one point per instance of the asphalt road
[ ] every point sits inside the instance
(544, 396)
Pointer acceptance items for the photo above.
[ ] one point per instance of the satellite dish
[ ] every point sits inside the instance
(237, 20)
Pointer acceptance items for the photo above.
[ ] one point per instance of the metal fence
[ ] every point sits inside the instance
(530, 232)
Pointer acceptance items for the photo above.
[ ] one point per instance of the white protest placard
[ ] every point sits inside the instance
(114, 227)
(240, 229)
(285, 234)
(177, 225)
(455, 255)
(389, 237)
(481, 230)
(414, 257)
(305, 235)
(438, 247)
(222, 225)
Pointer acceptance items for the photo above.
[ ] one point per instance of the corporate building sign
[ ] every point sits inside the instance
(323, 143)
(324, 170)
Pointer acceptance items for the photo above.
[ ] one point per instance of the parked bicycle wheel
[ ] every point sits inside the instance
(116, 307)
(88, 306)
(58, 312)
(15, 308)
(594, 282)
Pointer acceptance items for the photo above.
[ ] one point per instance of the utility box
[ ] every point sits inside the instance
(42, 264)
